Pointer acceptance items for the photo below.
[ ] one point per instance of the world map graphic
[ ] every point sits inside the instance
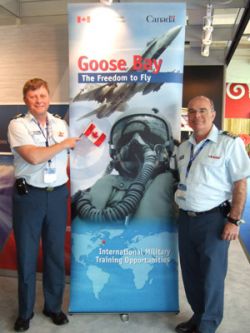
(118, 268)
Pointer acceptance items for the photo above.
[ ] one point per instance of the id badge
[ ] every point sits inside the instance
(49, 175)
(181, 192)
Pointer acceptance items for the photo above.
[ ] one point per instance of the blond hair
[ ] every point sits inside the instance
(34, 84)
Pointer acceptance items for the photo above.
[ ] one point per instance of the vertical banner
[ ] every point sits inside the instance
(126, 69)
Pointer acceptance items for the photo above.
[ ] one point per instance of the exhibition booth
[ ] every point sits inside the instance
(116, 76)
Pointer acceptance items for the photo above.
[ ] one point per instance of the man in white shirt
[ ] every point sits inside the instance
(40, 143)
(213, 167)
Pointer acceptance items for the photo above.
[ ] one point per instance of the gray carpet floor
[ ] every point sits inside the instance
(236, 314)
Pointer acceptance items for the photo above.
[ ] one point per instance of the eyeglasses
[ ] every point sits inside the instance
(192, 112)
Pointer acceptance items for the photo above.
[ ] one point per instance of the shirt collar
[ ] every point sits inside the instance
(30, 117)
(212, 136)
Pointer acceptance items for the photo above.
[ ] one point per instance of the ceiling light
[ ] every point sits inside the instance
(207, 31)
(205, 50)
(207, 35)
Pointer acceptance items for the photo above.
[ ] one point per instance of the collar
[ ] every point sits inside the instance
(30, 117)
(212, 136)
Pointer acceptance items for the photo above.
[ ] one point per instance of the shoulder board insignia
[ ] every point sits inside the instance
(20, 115)
(230, 134)
(57, 115)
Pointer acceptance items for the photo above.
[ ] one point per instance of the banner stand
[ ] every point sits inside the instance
(126, 72)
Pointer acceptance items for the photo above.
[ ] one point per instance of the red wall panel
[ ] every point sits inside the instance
(237, 100)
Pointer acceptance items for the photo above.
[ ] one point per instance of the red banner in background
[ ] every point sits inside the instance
(237, 100)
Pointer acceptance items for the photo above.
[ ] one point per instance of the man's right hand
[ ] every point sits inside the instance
(70, 143)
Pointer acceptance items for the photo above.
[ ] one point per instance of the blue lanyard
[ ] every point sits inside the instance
(46, 137)
(194, 155)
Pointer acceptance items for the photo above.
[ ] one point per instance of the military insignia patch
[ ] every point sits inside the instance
(230, 134)
(19, 115)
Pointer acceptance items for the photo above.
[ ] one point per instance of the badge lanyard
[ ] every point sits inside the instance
(194, 155)
(46, 137)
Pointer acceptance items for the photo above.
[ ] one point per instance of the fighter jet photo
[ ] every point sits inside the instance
(114, 96)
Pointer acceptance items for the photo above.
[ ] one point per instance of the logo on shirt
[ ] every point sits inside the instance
(36, 132)
(214, 157)
(61, 134)
(181, 157)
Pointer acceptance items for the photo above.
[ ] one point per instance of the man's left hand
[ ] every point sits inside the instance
(230, 231)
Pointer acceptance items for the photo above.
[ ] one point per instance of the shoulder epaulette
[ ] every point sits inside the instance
(57, 115)
(19, 115)
(230, 134)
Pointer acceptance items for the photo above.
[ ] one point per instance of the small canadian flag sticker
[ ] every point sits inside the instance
(83, 19)
(94, 134)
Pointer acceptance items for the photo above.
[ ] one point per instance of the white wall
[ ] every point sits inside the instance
(238, 71)
(36, 50)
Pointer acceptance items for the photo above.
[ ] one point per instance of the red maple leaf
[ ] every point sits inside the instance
(95, 134)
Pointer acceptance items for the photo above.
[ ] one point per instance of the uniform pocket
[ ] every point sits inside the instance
(38, 138)
(213, 170)
(213, 161)
(59, 135)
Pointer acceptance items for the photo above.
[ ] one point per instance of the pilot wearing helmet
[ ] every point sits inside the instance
(141, 151)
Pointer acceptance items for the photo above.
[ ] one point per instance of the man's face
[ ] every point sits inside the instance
(37, 101)
(200, 115)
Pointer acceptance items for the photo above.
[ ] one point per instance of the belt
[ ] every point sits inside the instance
(194, 214)
(47, 189)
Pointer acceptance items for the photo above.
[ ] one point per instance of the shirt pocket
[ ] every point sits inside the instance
(213, 162)
(212, 170)
(58, 135)
(182, 163)
(38, 138)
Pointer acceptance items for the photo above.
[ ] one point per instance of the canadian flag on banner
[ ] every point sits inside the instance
(94, 134)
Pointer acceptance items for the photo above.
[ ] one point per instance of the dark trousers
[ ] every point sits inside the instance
(40, 215)
(203, 259)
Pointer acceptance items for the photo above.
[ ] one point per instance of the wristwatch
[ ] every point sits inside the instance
(235, 221)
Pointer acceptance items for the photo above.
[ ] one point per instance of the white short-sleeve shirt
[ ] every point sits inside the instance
(209, 182)
(25, 130)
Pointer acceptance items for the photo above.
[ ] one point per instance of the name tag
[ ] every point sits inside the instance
(181, 192)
